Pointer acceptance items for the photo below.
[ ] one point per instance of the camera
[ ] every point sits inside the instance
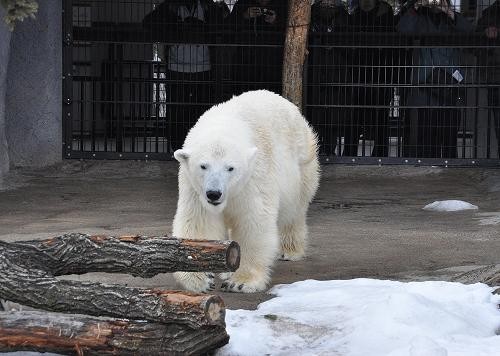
(266, 12)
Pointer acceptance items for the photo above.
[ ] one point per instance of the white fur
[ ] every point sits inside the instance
(265, 197)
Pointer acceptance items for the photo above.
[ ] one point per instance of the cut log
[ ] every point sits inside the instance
(158, 321)
(38, 289)
(299, 17)
(134, 255)
(83, 335)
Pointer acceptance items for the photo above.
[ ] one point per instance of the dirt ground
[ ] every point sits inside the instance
(365, 221)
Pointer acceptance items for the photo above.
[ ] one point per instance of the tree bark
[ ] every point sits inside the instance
(77, 334)
(134, 255)
(299, 17)
(38, 289)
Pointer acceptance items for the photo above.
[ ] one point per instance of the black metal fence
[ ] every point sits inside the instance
(413, 83)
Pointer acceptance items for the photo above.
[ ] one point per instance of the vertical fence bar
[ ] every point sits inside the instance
(67, 77)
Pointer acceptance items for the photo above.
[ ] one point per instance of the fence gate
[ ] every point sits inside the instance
(385, 83)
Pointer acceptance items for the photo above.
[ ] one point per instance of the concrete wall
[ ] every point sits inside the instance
(4, 59)
(33, 99)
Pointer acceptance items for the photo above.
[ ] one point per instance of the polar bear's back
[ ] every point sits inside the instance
(262, 108)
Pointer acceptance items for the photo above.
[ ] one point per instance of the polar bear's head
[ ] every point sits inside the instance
(217, 171)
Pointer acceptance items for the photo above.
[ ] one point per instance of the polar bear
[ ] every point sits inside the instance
(248, 171)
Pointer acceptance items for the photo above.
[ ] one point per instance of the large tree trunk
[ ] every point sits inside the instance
(299, 17)
(77, 334)
(135, 255)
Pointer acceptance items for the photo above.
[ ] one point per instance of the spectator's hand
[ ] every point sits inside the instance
(440, 5)
(491, 32)
(270, 16)
(421, 3)
(443, 6)
(252, 12)
(448, 10)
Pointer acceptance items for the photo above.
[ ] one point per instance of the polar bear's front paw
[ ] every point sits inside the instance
(196, 281)
(224, 276)
(240, 283)
(292, 256)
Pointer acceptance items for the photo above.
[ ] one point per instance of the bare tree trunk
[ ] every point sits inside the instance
(299, 17)
(78, 334)
(136, 255)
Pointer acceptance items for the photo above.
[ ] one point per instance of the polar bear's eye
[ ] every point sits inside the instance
(203, 166)
(230, 169)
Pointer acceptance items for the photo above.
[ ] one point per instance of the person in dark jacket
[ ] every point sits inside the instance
(438, 118)
(372, 91)
(260, 29)
(328, 73)
(489, 24)
(189, 25)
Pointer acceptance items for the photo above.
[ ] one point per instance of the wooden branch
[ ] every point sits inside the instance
(489, 275)
(299, 17)
(38, 289)
(77, 334)
(134, 255)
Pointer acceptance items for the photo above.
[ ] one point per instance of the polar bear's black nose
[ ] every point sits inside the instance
(213, 195)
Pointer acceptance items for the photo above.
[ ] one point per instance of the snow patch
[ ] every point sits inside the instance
(450, 205)
(369, 317)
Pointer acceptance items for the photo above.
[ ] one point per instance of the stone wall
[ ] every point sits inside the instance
(33, 99)
(5, 36)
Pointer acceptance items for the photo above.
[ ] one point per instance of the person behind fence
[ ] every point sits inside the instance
(260, 26)
(189, 62)
(328, 72)
(438, 80)
(372, 93)
(489, 24)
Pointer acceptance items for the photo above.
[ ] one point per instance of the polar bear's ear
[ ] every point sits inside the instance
(181, 155)
(251, 154)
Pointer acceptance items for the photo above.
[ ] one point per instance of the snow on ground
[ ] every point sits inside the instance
(369, 317)
(449, 205)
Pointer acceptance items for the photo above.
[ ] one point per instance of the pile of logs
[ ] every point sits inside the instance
(111, 319)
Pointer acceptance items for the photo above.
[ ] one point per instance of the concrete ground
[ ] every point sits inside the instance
(365, 221)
